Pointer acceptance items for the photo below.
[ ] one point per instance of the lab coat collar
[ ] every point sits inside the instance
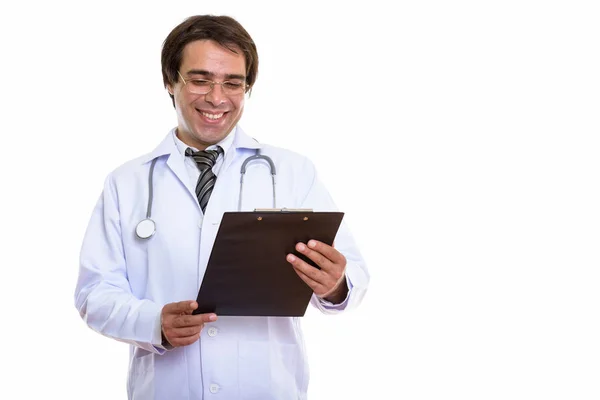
(243, 141)
(175, 162)
(167, 146)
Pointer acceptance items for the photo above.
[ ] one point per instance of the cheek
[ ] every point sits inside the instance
(184, 112)
(240, 105)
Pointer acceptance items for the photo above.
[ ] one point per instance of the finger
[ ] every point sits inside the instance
(328, 251)
(180, 307)
(184, 341)
(185, 332)
(315, 256)
(307, 269)
(183, 321)
(321, 281)
(314, 285)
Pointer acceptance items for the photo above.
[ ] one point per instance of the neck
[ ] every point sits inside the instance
(188, 140)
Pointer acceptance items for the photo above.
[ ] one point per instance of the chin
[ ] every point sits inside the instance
(211, 137)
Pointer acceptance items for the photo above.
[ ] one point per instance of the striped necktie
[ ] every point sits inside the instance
(205, 160)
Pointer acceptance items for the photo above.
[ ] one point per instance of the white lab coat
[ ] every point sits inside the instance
(125, 281)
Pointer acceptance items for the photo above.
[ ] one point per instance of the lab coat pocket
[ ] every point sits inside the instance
(141, 373)
(269, 370)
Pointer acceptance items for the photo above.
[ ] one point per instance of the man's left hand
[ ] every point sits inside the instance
(329, 282)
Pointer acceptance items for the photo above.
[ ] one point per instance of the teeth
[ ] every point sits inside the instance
(211, 116)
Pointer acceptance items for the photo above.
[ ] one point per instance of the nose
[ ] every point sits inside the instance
(216, 97)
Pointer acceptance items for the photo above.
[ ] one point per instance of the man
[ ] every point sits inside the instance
(139, 287)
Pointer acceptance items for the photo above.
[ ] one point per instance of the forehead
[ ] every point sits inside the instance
(210, 56)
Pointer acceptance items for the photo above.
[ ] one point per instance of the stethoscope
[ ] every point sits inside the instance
(146, 228)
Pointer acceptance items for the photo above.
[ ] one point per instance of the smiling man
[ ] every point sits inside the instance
(207, 118)
(137, 284)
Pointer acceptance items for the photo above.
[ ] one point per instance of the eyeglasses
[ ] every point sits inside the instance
(205, 86)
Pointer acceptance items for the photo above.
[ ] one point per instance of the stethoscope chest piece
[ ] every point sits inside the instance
(145, 228)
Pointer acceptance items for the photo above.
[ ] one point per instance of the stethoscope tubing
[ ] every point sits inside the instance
(150, 189)
(272, 169)
(147, 227)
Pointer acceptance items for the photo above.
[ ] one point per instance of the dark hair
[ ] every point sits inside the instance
(224, 30)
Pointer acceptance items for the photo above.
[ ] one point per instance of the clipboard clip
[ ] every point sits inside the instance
(283, 210)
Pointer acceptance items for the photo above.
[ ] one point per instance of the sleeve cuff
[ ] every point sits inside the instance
(327, 305)
(159, 342)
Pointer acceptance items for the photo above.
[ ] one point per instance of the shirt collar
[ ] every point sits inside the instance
(237, 139)
(225, 143)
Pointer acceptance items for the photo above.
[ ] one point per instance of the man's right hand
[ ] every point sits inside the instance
(179, 326)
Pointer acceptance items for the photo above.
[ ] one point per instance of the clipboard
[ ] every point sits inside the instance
(247, 272)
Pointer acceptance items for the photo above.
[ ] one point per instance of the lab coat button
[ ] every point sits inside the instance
(214, 388)
(212, 331)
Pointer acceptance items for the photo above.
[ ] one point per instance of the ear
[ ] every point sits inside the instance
(170, 89)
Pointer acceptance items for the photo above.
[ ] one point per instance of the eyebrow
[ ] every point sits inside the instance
(209, 74)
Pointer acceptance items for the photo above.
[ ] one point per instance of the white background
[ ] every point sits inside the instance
(479, 121)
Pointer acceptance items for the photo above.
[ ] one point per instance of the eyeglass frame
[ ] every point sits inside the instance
(246, 87)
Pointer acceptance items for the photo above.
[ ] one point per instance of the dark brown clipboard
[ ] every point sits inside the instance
(247, 272)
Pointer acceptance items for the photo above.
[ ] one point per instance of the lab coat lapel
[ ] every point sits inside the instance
(240, 141)
(175, 162)
(177, 165)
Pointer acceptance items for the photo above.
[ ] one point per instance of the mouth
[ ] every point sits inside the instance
(211, 116)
